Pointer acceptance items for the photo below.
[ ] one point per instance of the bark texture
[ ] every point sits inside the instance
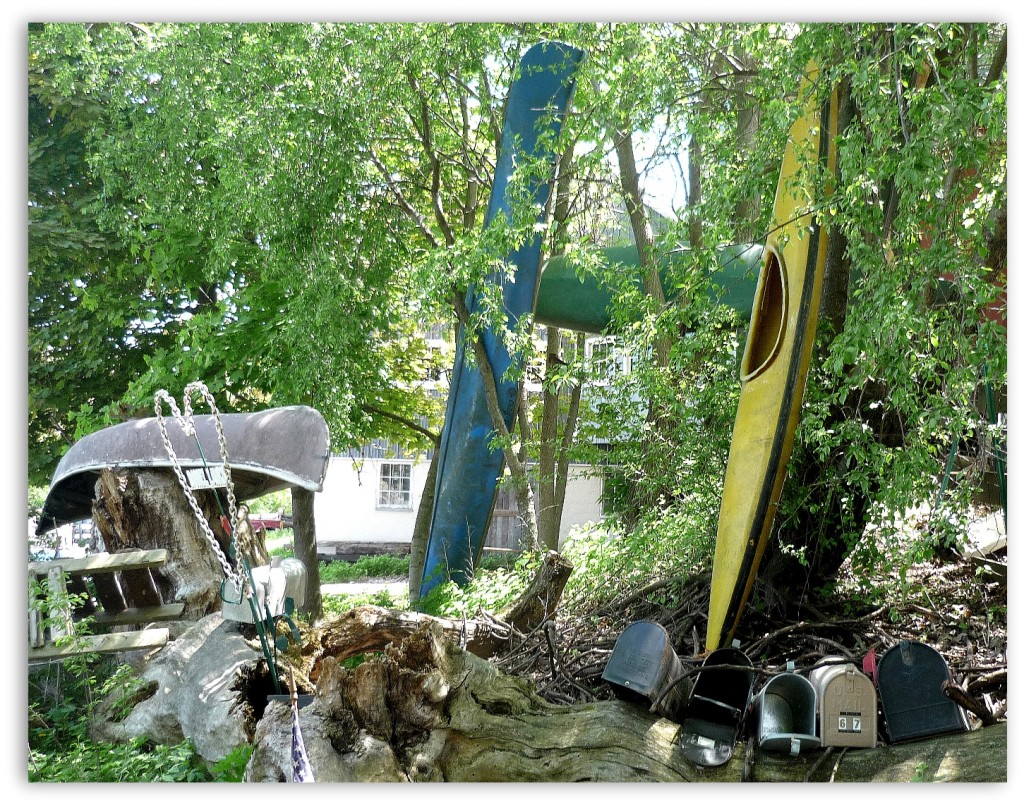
(368, 629)
(305, 549)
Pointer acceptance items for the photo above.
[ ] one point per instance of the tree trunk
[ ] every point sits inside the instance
(421, 530)
(642, 233)
(426, 710)
(146, 509)
(553, 459)
(695, 225)
(549, 517)
(371, 629)
(304, 526)
(748, 122)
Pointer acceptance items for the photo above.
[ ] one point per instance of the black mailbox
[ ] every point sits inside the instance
(644, 668)
(714, 715)
(910, 679)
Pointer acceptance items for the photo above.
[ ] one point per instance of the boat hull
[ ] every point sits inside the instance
(468, 468)
(584, 303)
(773, 373)
(267, 451)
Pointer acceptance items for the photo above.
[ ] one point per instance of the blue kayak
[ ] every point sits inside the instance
(468, 468)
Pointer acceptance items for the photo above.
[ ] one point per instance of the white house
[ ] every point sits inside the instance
(374, 497)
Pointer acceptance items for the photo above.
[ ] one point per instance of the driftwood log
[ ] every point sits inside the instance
(427, 710)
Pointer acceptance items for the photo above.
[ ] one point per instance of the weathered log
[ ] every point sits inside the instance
(371, 629)
(426, 710)
(542, 596)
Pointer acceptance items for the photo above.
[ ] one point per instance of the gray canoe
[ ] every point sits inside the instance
(267, 451)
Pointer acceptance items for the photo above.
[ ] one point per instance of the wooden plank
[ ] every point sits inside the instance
(103, 562)
(137, 615)
(102, 644)
(351, 551)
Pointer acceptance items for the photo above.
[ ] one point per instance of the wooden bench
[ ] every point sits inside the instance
(126, 595)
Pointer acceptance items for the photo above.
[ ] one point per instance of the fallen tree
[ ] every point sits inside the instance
(427, 710)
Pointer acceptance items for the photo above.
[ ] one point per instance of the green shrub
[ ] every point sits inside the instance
(337, 604)
(231, 767)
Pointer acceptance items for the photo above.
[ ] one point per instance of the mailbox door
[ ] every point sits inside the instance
(849, 710)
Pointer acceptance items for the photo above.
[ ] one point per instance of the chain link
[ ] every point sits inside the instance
(186, 422)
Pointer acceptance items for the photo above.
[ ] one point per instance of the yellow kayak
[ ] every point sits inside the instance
(773, 370)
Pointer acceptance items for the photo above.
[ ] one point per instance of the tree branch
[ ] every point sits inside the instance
(401, 420)
(409, 210)
(490, 387)
(435, 164)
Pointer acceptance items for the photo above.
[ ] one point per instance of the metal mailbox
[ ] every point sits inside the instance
(644, 668)
(910, 680)
(719, 701)
(787, 717)
(847, 704)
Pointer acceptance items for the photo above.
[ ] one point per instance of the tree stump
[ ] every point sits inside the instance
(146, 509)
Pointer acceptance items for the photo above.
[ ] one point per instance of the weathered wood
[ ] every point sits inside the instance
(139, 588)
(103, 562)
(426, 710)
(108, 592)
(304, 532)
(542, 596)
(134, 616)
(104, 569)
(101, 644)
(370, 629)
(84, 605)
(147, 509)
(36, 633)
(61, 623)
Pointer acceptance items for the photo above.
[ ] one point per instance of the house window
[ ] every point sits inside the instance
(606, 358)
(395, 490)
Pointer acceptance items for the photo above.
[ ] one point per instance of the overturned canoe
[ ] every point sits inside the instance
(773, 370)
(574, 301)
(468, 467)
(267, 451)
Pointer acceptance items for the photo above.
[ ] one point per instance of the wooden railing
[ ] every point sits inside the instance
(125, 594)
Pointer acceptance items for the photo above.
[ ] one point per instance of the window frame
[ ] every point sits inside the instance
(385, 496)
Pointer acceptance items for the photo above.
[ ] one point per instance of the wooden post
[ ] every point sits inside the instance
(36, 638)
(60, 616)
(304, 527)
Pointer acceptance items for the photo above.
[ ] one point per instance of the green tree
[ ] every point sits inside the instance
(90, 314)
(276, 209)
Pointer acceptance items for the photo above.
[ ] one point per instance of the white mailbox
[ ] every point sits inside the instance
(847, 704)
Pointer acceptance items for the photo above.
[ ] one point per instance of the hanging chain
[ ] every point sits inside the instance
(187, 423)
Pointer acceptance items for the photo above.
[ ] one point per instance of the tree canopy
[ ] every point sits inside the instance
(280, 209)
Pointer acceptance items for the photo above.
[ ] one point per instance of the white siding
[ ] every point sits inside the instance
(347, 511)
(582, 499)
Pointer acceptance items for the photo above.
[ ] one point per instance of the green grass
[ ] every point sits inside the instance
(366, 567)
(335, 605)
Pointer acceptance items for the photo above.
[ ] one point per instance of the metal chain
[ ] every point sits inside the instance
(187, 423)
